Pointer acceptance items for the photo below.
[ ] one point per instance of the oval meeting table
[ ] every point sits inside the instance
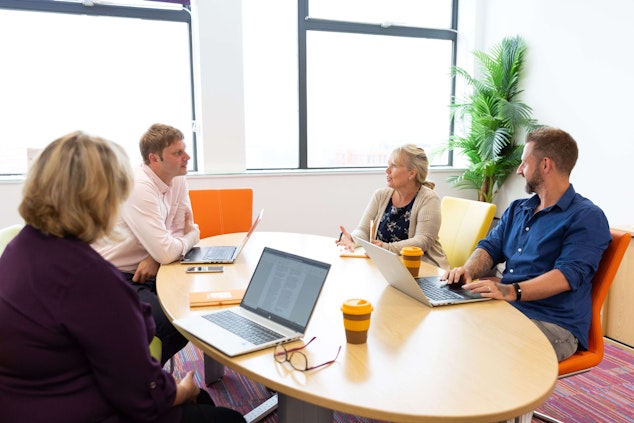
(476, 362)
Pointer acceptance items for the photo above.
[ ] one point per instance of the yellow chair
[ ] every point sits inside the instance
(7, 234)
(464, 223)
(156, 348)
(584, 361)
(222, 211)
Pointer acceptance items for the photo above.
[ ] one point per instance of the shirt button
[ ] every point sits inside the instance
(526, 229)
(510, 270)
(519, 250)
(152, 385)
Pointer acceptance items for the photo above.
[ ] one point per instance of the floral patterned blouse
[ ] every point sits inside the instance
(394, 224)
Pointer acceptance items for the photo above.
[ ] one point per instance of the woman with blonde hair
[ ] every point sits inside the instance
(406, 212)
(74, 334)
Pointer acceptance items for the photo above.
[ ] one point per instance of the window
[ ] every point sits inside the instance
(327, 83)
(111, 71)
(370, 75)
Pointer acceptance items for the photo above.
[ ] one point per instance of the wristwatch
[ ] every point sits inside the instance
(518, 291)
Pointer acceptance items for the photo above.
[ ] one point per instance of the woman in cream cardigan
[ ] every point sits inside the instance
(406, 212)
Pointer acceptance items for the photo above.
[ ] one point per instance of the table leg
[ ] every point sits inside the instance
(293, 410)
(214, 371)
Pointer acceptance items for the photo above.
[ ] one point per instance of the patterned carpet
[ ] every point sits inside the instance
(603, 395)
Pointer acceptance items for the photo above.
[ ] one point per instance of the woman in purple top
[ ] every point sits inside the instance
(74, 336)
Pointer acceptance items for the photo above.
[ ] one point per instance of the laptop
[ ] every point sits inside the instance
(276, 307)
(429, 290)
(219, 254)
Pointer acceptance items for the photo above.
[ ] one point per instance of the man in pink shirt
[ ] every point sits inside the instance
(156, 224)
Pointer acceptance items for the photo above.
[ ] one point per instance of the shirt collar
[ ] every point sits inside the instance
(158, 182)
(563, 203)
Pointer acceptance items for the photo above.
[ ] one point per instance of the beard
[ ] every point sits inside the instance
(533, 183)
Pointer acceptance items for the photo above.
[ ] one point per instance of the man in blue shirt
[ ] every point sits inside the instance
(551, 242)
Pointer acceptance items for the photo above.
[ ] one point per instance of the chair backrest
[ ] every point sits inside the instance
(156, 349)
(464, 223)
(608, 266)
(7, 234)
(222, 211)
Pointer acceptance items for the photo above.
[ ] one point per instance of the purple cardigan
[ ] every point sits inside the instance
(74, 338)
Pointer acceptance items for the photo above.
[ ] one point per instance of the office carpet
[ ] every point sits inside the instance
(603, 395)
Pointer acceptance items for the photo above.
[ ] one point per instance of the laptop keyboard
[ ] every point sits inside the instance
(220, 253)
(436, 292)
(243, 327)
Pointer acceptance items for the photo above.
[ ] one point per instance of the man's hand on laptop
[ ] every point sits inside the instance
(456, 275)
(147, 269)
(488, 287)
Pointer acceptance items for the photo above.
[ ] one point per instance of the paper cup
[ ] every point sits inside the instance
(356, 320)
(411, 257)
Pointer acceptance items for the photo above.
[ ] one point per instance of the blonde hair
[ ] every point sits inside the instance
(76, 186)
(414, 158)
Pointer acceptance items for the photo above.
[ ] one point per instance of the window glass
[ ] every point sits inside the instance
(109, 76)
(332, 90)
(368, 94)
(419, 13)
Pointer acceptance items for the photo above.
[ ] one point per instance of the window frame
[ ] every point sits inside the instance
(157, 14)
(306, 23)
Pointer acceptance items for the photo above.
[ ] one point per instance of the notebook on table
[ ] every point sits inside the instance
(220, 254)
(429, 290)
(277, 306)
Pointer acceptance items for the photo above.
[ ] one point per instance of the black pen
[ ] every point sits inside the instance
(340, 235)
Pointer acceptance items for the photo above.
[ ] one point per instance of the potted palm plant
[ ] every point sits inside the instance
(493, 117)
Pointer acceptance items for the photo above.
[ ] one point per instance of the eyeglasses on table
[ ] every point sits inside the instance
(297, 359)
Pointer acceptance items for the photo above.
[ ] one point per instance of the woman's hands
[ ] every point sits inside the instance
(186, 390)
(345, 240)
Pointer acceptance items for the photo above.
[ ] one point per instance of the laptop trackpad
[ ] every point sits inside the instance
(456, 287)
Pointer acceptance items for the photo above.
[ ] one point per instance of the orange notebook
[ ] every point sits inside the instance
(213, 298)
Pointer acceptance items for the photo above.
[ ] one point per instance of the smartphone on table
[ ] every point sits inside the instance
(204, 269)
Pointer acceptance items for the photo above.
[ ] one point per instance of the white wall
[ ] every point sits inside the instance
(578, 78)
(575, 79)
(311, 202)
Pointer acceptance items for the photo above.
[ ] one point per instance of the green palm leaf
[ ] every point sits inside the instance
(494, 117)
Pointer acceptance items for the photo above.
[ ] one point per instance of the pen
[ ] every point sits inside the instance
(340, 235)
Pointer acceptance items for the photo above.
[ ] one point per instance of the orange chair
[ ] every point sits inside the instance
(583, 361)
(222, 211)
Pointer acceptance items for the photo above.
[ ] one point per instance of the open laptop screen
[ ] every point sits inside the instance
(284, 288)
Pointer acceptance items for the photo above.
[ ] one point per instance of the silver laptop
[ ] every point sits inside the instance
(429, 290)
(219, 253)
(276, 307)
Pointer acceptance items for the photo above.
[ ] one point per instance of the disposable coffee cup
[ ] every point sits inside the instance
(411, 257)
(356, 320)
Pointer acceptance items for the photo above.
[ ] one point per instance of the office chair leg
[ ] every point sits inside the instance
(543, 417)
